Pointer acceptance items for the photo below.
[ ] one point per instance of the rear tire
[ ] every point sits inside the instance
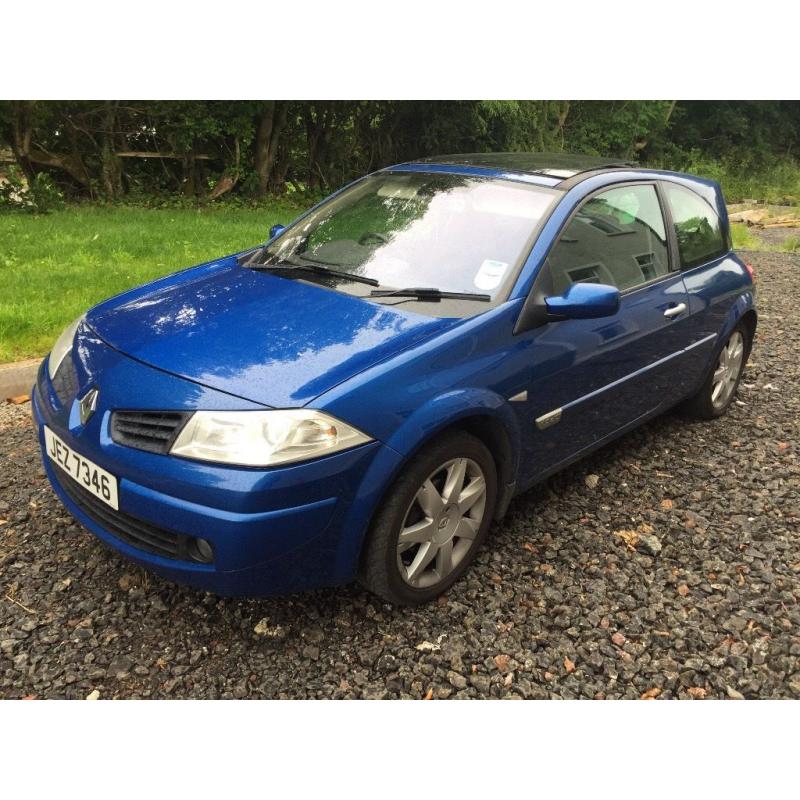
(432, 521)
(719, 389)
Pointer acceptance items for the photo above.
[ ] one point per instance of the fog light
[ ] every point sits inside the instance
(202, 551)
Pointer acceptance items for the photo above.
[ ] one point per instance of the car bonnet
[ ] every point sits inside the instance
(276, 341)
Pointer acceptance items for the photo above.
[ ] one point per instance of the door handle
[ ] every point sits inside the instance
(675, 310)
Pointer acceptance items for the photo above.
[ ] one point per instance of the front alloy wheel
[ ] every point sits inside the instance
(441, 523)
(431, 521)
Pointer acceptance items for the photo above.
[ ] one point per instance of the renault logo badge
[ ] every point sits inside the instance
(87, 405)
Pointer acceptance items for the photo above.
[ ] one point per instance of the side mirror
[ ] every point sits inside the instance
(276, 230)
(584, 301)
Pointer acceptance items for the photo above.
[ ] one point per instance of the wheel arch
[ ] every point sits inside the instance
(484, 414)
(481, 412)
(743, 310)
(750, 319)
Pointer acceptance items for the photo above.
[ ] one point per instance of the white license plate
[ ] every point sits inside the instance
(94, 479)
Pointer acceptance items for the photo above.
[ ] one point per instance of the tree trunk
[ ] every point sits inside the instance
(270, 125)
(318, 134)
(189, 174)
(22, 134)
(562, 121)
(111, 165)
(29, 155)
(277, 178)
(320, 127)
(230, 177)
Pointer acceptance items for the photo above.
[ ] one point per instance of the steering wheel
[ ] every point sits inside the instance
(371, 236)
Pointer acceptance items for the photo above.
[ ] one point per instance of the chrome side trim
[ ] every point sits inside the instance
(520, 397)
(638, 372)
(702, 341)
(549, 419)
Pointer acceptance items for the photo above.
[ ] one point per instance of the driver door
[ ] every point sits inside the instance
(590, 378)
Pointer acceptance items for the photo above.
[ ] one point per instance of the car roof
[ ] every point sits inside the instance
(558, 171)
(561, 166)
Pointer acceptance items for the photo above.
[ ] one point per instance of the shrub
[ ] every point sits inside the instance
(40, 196)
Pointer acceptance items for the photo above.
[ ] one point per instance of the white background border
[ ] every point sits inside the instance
(422, 50)
(414, 49)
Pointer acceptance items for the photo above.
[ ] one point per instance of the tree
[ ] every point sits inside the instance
(271, 122)
(207, 149)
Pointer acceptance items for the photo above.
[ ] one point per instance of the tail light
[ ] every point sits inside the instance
(750, 271)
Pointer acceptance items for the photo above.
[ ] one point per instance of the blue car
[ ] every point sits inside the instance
(364, 394)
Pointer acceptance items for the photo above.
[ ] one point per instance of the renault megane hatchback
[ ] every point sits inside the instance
(362, 395)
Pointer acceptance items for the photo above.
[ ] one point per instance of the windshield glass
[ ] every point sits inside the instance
(455, 233)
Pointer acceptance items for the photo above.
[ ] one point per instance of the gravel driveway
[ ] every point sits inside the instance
(666, 565)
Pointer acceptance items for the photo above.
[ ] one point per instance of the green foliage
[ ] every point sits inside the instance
(93, 149)
(45, 195)
(40, 196)
(14, 195)
(617, 128)
(777, 183)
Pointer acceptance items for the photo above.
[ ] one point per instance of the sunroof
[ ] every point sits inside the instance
(556, 165)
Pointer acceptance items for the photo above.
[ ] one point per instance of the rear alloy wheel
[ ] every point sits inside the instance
(719, 389)
(432, 521)
(726, 375)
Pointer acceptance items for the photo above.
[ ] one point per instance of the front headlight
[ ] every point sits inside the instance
(62, 346)
(264, 438)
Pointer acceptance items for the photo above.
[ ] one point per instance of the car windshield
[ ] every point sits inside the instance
(454, 233)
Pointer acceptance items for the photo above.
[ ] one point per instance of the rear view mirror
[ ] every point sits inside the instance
(276, 230)
(584, 301)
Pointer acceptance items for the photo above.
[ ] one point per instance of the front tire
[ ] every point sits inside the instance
(432, 521)
(719, 388)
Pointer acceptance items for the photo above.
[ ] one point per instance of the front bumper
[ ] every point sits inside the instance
(272, 531)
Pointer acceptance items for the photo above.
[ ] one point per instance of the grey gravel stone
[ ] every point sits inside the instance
(119, 667)
(649, 543)
(718, 609)
(457, 680)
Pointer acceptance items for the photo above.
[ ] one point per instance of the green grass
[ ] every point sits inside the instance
(744, 238)
(53, 267)
(791, 245)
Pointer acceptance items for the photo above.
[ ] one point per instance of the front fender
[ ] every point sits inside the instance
(446, 410)
(437, 415)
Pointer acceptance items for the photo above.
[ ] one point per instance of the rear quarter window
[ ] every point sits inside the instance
(697, 227)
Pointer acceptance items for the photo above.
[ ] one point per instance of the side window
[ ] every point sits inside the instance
(617, 237)
(697, 226)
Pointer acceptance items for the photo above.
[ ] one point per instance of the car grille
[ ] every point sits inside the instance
(134, 532)
(65, 381)
(153, 431)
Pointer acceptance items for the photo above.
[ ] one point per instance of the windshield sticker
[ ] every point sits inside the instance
(490, 274)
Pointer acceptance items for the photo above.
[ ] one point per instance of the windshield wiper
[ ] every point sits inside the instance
(290, 266)
(430, 293)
